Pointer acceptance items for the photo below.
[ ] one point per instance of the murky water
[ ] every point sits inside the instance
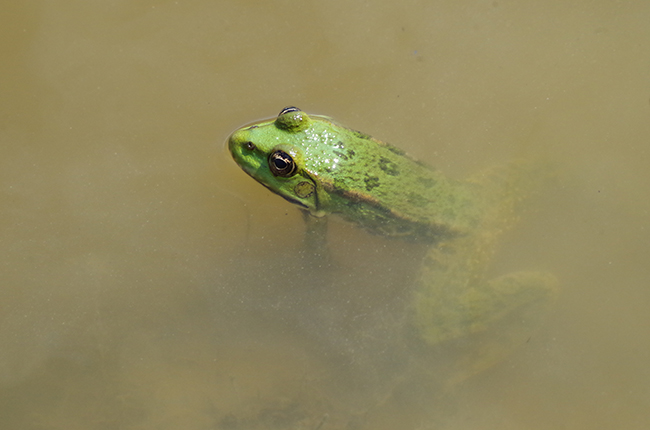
(147, 283)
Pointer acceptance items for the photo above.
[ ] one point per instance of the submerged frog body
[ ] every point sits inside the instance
(324, 168)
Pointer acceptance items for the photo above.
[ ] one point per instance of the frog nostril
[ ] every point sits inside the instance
(249, 145)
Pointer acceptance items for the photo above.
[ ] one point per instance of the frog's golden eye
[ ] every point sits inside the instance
(281, 164)
(289, 109)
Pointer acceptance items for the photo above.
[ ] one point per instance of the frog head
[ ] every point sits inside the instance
(272, 152)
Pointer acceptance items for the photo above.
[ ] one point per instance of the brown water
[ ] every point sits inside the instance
(147, 283)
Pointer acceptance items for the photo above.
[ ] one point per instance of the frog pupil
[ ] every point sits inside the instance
(281, 164)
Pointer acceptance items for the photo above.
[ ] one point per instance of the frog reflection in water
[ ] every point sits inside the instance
(324, 168)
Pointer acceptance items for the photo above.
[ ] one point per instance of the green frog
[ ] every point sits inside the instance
(325, 168)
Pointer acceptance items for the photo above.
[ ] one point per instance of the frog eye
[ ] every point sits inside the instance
(289, 109)
(281, 164)
(292, 119)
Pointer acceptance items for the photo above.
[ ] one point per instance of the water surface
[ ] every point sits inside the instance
(148, 283)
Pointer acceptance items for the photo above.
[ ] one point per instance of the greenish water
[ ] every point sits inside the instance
(148, 283)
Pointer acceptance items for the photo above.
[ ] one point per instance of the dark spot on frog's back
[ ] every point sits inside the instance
(361, 135)
(388, 166)
(343, 152)
(371, 182)
(395, 150)
(341, 155)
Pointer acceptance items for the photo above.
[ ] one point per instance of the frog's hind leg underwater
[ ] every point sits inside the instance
(487, 317)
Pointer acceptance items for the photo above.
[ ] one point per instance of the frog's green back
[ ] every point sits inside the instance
(394, 194)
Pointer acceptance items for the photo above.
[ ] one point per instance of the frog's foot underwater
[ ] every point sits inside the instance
(485, 324)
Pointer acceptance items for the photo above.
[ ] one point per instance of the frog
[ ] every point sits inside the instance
(326, 169)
